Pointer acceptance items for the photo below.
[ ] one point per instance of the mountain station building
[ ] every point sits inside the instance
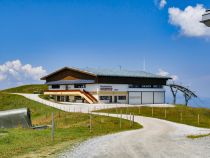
(96, 85)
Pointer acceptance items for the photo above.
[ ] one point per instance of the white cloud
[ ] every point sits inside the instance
(174, 77)
(15, 71)
(188, 20)
(2, 77)
(162, 3)
(165, 73)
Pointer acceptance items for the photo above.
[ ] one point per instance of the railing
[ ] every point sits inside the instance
(82, 93)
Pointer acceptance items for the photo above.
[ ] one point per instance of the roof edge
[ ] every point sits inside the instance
(161, 77)
(68, 68)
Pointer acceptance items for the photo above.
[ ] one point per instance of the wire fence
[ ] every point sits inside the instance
(191, 116)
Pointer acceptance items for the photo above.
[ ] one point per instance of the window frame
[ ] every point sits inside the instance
(122, 97)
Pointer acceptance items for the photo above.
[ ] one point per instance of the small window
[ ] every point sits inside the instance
(134, 86)
(78, 98)
(157, 86)
(105, 97)
(79, 86)
(55, 86)
(121, 97)
(146, 86)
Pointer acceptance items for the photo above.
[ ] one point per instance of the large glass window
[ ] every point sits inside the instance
(55, 86)
(144, 86)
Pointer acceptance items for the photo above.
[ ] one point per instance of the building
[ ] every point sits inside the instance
(106, 86)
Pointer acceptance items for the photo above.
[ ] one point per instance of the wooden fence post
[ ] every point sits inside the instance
(165, 114)
(90, 123)
(53, 128)
(130, 119)
(133, 121)
(121, 120)
(181, 117)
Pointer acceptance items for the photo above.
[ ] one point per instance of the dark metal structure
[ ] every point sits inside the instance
(15, 118)
(206, 18)
(188, 94)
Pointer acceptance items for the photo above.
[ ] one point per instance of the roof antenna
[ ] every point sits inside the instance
(144, 64)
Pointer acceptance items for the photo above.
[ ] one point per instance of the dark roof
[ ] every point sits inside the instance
(67, 82)
(111, 72)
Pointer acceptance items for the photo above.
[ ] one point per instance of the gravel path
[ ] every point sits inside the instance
(158, 138)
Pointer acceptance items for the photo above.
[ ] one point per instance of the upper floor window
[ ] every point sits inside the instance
(134, 86)
(79, 86)
(55, 86)
(144, 86)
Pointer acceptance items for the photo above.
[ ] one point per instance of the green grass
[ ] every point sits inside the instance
(198, 136)
(70, 127)
(45, 97)
(179, 114)
(36, 88)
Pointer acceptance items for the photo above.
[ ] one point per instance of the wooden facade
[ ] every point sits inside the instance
(68, 74)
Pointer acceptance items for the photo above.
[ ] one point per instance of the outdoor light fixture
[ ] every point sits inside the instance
(206, 18)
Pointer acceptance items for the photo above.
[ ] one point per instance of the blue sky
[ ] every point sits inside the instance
(105, 33)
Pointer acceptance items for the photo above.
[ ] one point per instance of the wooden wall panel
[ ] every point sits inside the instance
(69, 75)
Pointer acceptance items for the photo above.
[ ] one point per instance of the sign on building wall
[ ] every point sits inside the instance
(106, 88)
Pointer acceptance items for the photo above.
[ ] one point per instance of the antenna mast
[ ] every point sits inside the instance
(144, 65)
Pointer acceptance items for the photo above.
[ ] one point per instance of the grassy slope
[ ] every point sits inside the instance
(70, 127)
(198, 136)
(27, 89)
(189, 114)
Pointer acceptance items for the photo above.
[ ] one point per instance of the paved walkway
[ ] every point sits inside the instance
(158, 138)
(80, 107)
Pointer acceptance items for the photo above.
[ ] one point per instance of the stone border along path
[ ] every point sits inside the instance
(158, 138)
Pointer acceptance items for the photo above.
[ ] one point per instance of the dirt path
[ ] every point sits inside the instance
(158, 139)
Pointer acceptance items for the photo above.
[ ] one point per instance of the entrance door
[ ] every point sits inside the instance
(58, 98)
(115, 99)
(110, 99)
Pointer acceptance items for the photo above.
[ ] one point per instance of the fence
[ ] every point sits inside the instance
(180, 115)
(92, 122)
